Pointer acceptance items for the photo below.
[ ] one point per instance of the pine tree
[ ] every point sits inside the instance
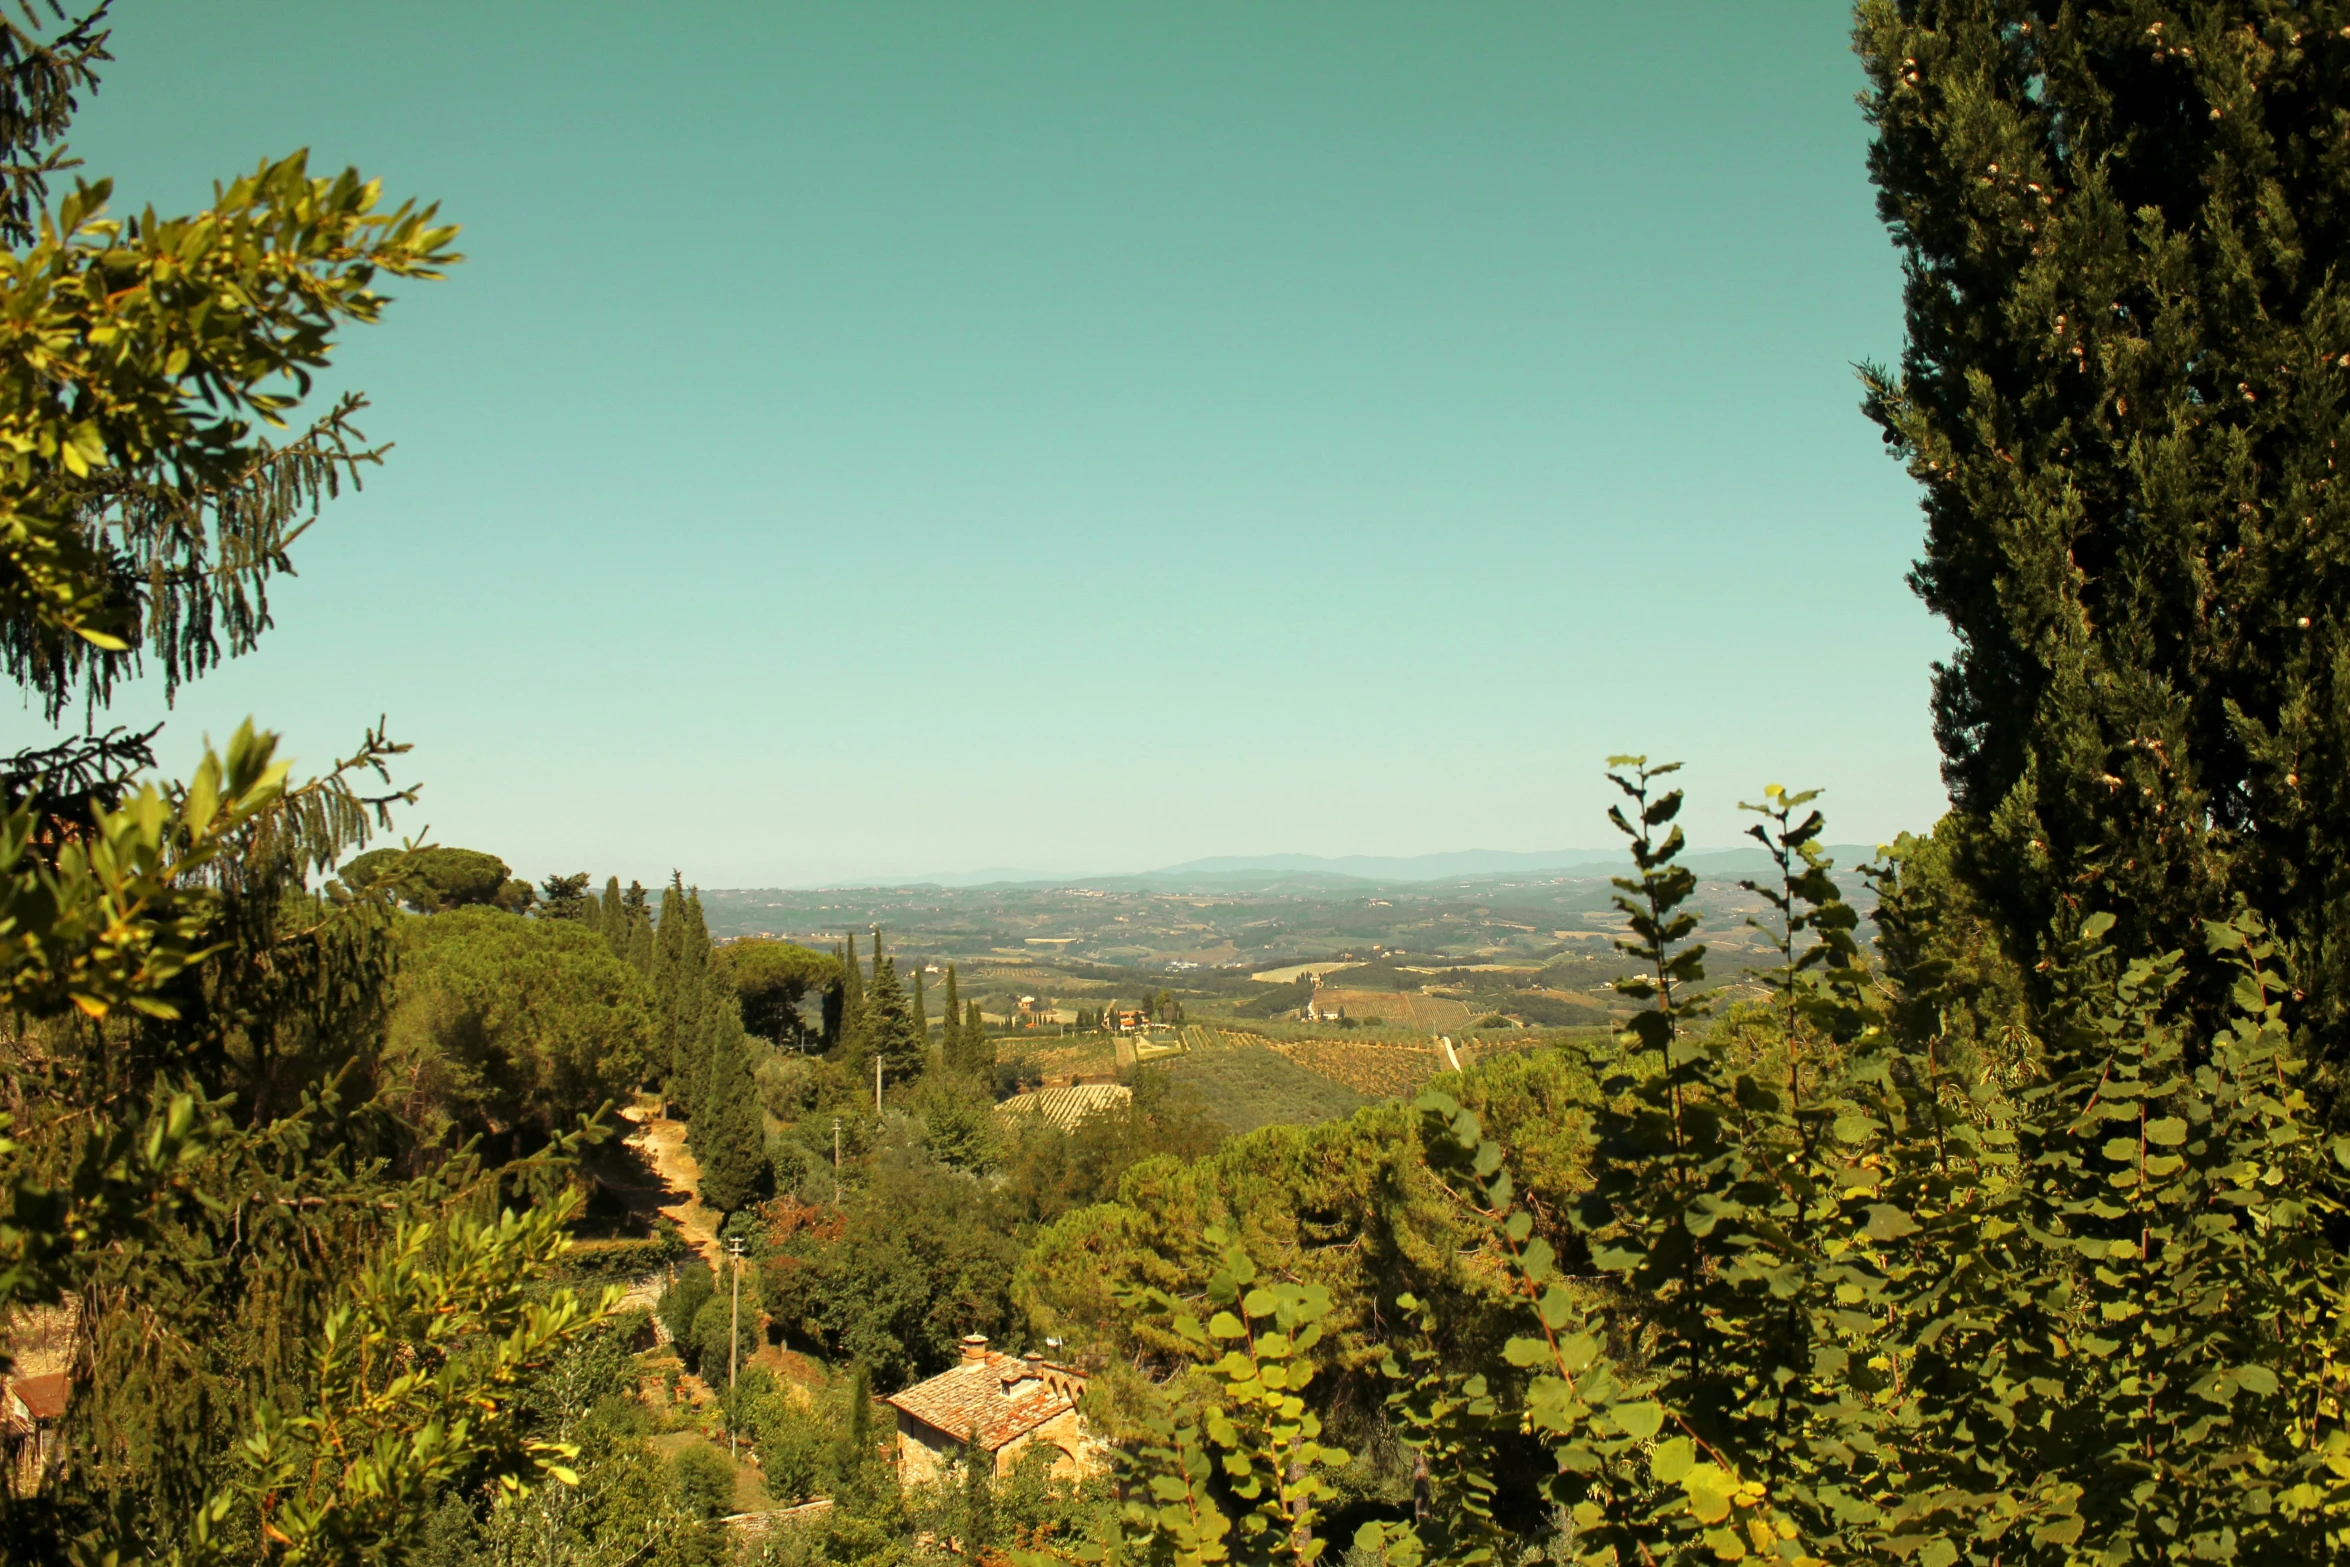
(566, 898)
(2125, 382)
(726, 1135)
(226, 1182)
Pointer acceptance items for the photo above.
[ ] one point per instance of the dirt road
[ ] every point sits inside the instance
(661, 1142)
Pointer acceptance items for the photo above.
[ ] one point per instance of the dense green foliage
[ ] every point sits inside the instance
(2126, 376)
(1861, 1304)
(629, 1505)
(771, 979)
(291, 1319)
(726, 1135)
(2012, 1242)
(893, 1278)
(435, 879)
(511, 1022)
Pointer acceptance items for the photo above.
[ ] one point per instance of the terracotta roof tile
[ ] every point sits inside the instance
(43, 1397)
(969, 1402)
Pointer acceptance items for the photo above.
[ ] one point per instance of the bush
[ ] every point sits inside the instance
(680, 1303)
(795, 1449)
(625, 1258)
(958, 1122)
(709, 1333)
(788, 1085)
(705, 1481)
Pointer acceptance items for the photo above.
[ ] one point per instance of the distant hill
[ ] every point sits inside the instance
(1351, 873)
(1377, 868)
(1362, 872)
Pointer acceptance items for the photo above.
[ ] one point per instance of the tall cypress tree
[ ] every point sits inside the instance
(612, 917)
(726, 1136)
(637, 928)
(855, 1040)
(2124, 388)
(921, 1015)
(978, 1049)
(835, 994)
(950, 1025)
(890, 1024)
(681, 969)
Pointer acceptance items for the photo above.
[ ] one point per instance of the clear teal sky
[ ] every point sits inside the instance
(877, 438)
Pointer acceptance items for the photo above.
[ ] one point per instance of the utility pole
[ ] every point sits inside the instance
(836, 1161)
(734, 1333)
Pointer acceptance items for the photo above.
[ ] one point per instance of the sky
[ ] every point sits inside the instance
(875, 439)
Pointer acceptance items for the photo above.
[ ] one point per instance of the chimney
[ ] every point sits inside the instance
(974, 1348)
(1023, 1376)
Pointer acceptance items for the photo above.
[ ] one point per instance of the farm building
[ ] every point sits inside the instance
(995, 1404)
(30, 1408)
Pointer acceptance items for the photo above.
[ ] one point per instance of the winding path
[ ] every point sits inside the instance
(661, 1142)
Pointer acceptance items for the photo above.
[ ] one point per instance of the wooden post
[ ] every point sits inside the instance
(734, 1335)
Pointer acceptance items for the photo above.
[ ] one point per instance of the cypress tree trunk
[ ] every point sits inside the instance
(2123, 390)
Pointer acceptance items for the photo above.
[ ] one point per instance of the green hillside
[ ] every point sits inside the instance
(1252, 1087)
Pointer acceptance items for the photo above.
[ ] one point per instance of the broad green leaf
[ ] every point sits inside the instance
(1708, 1488)
(1640, 1419)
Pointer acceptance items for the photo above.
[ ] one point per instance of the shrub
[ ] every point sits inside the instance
(705, 1480)
(709, 1332)
(679, 1304)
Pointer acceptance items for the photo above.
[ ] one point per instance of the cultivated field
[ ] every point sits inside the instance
(1249, 1086)
(1374, 1071)
(1426, 1014)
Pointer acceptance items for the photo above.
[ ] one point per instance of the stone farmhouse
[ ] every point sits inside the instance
(999, 1405)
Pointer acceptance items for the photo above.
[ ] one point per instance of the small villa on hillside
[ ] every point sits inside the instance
(999, 1405)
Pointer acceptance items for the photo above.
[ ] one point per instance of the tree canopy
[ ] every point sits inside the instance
(2122, 393)
(771, 979)
(507, 1022)
(195, 1154)
(432, 879)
